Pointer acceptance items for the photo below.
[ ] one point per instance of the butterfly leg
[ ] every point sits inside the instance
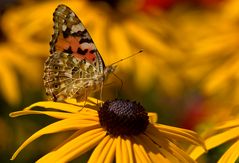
(84, 97)
(101, 93)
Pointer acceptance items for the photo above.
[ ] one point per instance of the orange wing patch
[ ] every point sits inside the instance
(72, 46)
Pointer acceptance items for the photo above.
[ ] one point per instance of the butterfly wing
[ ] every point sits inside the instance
(71, 36)
(74, 62)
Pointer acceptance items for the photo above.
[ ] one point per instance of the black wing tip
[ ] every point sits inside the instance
(59, 8)
(62, 5)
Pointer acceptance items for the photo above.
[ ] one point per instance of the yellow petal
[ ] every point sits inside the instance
(119, 153)
(60, 106)
(228, 124)
(215, 141)
(104, 148)
(153, 117)
(140, 152)
(136, 155)
(111, 153)
(125, 153)
(89, 102)
(62, 125)
(129, 149)
(223, 137)
(163, 141)
(179, 133)
(57, 114)
(181, 155)
(73, 136)
(232, 154)
(75, 147)
(152, 149)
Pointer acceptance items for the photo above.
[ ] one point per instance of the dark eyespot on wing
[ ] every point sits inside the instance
(69, 50)
(82, 52)
(84, 32)
(93, 51)
(66, 33)
(80, 33)
(87, 40)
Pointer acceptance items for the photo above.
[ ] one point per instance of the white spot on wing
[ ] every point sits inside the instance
(75, 61)
(68, 75)
(64, 27)
(86, 45)
(76, 28)
(72, 14)
(87, 65)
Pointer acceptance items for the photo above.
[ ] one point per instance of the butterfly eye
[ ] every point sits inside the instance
(56, 86)
(56, 67)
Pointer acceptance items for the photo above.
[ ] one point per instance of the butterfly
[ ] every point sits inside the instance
(74, 68)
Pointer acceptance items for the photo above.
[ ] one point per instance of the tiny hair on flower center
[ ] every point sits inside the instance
(123, 118)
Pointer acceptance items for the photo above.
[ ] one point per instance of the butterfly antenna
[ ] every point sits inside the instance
(140, 51)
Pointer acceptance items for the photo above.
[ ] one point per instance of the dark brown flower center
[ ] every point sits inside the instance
(123, 118)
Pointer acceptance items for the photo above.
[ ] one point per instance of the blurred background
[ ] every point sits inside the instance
(188, 72)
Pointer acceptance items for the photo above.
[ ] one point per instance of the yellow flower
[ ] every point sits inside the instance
(228, 131)
(193, 53)
(120, 130)
(13, 64)
(117, 34)
(211, 62)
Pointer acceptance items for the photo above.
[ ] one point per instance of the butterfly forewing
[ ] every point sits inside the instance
(70, 36)
(75, 67)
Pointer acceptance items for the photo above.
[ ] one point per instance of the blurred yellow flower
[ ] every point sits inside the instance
(209, 39)
(120, 130)
(117, 34)
(228, 131)
(14, 65)
(179, 50)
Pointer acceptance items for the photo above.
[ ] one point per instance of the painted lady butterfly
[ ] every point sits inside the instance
(75, 67)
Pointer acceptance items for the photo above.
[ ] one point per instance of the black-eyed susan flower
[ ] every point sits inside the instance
(120, 130)
(228, 131)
